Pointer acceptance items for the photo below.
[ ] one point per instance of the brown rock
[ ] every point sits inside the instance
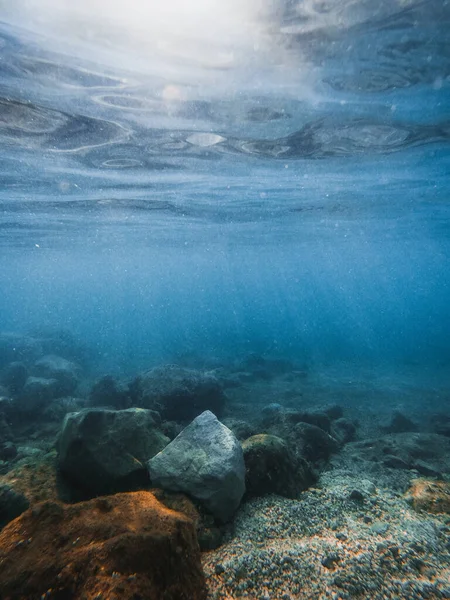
(432, 496)
(126, 546)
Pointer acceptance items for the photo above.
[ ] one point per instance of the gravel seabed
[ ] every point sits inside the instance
(344, 539)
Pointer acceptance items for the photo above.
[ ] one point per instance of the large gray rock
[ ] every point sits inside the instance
(180, 394)
(105, 451)
(65, 372)
(206, 462)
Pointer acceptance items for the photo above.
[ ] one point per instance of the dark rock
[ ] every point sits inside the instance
(66, 373)
(356, 496)
(400, 424)
(272, 468)
(206, 462)
(334, 411)
(404, 450)
(37, 393)
(105, 451)
(440, 424)
(57, 409)
(110, 393)
(6, 434)
(313, 443)
(343, 430)
(8, 451)
(425, 469)
(14, 376)
(329, 561)
(395, 462)
(241, 429)
(209, 538)
(271, 414)
(180, 394)
(126, 546)
(317, 418)
(171, 429)
(12, 504)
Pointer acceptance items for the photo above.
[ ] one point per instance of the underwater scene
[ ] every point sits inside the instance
(224, 299)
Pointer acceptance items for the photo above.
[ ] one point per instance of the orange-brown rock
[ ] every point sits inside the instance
(432, 496)
(127, 546)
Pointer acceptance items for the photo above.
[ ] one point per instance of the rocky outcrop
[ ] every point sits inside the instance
(180, 394)
(124, 546)
(104, 451)
(206, 462)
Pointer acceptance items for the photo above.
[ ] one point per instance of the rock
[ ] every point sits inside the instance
(8, 451)
(6, 434)
(400, 423)
(109, 392)
(272, 468)
(431, 496)
(37, 392)
(206, 462)
(125, 546)
(12, 504)
(317, 418)
(313, 443)
(343, 431)
(105, 451)
(180, 394)
(272, 414)
(407, 451)
(17, 347)
(241, 429)
(57, 409)
(14, 376)
(171, 429)
(65, 372)
(440, 424)
(334, 411)
(62, 343)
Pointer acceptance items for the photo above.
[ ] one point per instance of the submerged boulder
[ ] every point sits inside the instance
(107, 391)
(313, 443)
(37, 393)
(180, 394)
(65, 372)
(14, 376)
(272, 468)
(125, 546)
(206, 462)
(105, 451)
(12, 504)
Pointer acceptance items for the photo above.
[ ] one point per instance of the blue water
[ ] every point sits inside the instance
(261, 177)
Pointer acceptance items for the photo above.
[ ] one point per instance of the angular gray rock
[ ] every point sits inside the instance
(105, 451)
(205, 461)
